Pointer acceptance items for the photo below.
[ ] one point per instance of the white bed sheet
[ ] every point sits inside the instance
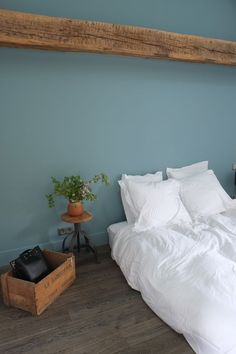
(187, 275)
(114, 229)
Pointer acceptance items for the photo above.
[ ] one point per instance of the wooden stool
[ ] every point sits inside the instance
(75, 239)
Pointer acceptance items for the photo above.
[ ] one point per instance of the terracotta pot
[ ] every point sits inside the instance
(75, 209)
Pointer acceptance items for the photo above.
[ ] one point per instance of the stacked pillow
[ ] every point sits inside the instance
(151, 202)
(130, 212)
(187, 171)
(200, 190)
(157, 204)
(189, 193)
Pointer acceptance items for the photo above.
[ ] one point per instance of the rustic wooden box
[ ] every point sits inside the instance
(35, 298)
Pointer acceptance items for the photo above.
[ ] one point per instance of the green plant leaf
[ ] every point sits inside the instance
(75, 189)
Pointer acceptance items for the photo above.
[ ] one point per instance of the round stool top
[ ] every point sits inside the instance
(77, 219)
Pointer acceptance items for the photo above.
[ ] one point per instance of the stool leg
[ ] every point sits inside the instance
(90, 247)
(64, 243)
(78, 231)
(74, 239)
(86, 240)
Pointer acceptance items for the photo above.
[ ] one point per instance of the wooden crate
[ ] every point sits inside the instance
(35, 298)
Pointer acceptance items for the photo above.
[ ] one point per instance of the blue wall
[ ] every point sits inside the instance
(64, 113)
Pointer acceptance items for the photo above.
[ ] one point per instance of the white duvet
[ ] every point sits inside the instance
(187, 275)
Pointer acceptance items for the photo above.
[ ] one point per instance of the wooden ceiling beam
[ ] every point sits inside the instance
(25, 30)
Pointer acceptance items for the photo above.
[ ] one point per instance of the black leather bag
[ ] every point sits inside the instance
(31, 265)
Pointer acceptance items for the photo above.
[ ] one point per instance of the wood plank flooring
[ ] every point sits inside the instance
(98, 314)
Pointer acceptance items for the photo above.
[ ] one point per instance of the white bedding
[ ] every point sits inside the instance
(114, 229)
(187, 275)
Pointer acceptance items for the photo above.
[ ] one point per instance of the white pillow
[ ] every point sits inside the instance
(203, 195)
(157, 204)
(125, 197)
(187, 171)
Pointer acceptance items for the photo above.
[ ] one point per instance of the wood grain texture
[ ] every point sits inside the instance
(86, 216)
(35, 298)
(4, 288)
(26, 30)
(98, 314)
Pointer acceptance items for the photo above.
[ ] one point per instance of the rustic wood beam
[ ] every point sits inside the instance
(25, 30)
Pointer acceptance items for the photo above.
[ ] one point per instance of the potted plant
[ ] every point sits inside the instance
(75, 190)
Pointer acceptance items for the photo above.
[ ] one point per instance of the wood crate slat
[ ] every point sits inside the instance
(25, 30)
(4, 288)
(54, 284)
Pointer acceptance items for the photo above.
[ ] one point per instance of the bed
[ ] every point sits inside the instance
(186, 273)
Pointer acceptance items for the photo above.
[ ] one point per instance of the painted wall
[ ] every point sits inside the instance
(64, 114)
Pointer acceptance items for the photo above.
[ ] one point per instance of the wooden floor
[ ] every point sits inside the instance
(98, 314)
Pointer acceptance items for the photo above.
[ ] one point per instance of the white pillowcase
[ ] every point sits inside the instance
(130, 213)
(203, 195)
(187, 171)
(157, 204)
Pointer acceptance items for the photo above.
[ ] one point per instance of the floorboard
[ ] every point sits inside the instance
(98, 314)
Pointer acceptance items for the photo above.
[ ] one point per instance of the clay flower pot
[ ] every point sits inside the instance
(75, 209)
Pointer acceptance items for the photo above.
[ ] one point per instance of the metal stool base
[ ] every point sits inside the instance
(75, 242)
